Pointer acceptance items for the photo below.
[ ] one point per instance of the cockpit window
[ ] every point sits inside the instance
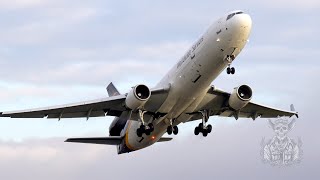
(231, 15)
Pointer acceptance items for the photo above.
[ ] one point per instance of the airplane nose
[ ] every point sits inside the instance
(238, 27)
(240, 21)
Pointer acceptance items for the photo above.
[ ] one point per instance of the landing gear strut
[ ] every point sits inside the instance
(202, 127)
(229, 59)
(172, 129)
(143, 128)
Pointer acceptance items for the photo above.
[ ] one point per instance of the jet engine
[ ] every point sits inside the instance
(240, 97)
(138, 96)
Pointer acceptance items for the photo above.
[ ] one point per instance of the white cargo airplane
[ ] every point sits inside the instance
(184, 94)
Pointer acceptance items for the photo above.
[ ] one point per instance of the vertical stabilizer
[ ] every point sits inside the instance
(112, 90)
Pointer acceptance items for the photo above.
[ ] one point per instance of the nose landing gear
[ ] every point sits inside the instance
(231, 70)
(229, 59)
(202, 127)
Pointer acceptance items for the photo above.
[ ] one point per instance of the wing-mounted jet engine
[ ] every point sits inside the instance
(135, 101)
(240, 97)
(137, 97)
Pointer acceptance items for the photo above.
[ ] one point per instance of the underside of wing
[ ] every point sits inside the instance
(216, 101)
(110, 106)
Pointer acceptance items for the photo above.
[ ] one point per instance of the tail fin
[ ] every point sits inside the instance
(112, 90)
(292, 108)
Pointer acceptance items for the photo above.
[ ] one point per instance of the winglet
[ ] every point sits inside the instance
(112, 90)
(294, 110)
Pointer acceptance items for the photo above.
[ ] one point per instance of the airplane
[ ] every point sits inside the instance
(184, 94)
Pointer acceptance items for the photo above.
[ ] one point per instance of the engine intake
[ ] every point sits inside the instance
(138, 96)
(240, 97)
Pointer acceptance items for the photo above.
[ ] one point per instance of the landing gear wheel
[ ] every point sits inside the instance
(196, 131)
(228, 70)
(203, 127)
(151, 127)
(175, 130)
(205, 133)
(232, 70)
(169, 130)
(209, 128)
(139, 132)
(142, 127)
(148, 132)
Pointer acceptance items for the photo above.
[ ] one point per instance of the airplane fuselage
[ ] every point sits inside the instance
(191, 77)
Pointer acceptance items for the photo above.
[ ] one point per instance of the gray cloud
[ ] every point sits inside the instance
(235, 146)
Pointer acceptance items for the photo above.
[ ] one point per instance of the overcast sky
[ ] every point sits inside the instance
(54, 52)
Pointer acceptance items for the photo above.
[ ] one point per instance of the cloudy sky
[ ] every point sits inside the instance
(55, 52)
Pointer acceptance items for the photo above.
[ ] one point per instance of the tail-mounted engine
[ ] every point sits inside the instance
(240, 97)
(137, 97)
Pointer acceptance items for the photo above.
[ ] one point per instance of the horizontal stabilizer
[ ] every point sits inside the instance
(113, 140)
(164, 139)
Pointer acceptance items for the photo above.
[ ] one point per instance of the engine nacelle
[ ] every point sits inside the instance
(240, 97)
(138, 96)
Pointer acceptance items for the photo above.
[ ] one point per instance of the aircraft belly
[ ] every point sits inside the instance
(190, 83)
(133, 142)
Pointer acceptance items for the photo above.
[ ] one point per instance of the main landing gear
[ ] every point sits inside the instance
(229, 59)
(202, 127)
(143, 129)
(172, 129)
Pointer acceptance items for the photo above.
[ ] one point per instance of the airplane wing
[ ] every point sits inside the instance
(110, 106)
(216, 101)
